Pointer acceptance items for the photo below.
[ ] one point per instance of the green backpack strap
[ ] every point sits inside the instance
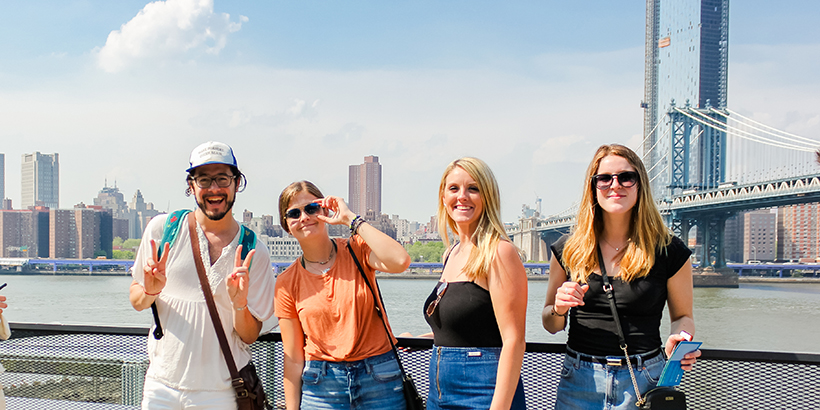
(247, 240)
(169, 235)
(171, 229)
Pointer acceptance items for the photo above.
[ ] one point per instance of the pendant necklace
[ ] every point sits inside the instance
(332, 252)
(617, 248)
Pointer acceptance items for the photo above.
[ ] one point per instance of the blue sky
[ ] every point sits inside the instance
(124, 90)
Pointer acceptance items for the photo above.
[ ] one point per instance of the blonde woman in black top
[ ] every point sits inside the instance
(478, 309)
(649, 268)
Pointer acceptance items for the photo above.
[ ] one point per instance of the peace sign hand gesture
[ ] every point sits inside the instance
(154, 270)
(238, 280)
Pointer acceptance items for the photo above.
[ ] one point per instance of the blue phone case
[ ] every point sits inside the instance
(672, 372)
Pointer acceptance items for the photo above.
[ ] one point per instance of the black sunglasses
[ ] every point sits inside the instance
(310, 209)
(625, 179)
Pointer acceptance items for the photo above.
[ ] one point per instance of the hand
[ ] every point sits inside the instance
(3, 304)
(342, 215)
(689, 359)
(238, 280)
(569, 295)
(155, 270)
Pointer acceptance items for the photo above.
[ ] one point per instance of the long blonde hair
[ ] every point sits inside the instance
(647, 233)
(490, 230)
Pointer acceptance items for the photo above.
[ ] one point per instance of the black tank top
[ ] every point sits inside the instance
(464, 317)
(640, 306)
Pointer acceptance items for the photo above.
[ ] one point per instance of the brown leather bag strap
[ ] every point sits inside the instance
(209, 300)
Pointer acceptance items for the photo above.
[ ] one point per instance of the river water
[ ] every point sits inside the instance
(763, 317)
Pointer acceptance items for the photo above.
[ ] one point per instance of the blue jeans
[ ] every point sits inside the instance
(588, 385)
(372, 383)
(464, 378)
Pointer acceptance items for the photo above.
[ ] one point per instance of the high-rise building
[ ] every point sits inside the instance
(139, 214)
(798, 235)
(82, 232)
(2, 176)
(365, 186)
(759, 235)
(24, 233)
(732, 239)
(686, 60)
(40, 180)
(111, 198)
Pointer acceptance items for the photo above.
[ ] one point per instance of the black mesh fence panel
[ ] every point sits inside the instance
(75, 367)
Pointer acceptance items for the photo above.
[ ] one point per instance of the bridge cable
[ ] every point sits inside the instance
(749, 136)
(808, 140)
(738, 131)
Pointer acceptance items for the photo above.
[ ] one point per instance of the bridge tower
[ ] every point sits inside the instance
(698, 161)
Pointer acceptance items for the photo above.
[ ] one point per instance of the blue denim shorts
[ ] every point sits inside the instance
(464, 378)
(587, 384)
(372, 383)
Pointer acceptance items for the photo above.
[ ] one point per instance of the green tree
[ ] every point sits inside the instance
(426, 252)
(118, 254)
(116, 242)
(131, 244)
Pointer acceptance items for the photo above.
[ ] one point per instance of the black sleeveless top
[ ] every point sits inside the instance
(464, 317)
(640, 305)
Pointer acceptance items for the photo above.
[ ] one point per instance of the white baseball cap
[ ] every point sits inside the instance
(212, 152)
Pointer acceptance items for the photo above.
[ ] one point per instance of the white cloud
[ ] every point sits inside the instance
(559, 149)
(167, 30)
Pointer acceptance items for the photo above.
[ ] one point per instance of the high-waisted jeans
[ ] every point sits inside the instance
(587, 384)
(465, 378)
(372, 383)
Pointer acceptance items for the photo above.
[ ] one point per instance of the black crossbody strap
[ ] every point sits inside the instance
(611, 296)
(376, 302)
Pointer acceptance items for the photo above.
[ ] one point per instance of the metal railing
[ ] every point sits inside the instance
(95, 367)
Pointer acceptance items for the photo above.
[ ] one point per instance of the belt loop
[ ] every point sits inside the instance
(639, 364)
(324, 367)
(577, 359)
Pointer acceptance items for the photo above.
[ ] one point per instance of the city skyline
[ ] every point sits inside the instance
(300, 91)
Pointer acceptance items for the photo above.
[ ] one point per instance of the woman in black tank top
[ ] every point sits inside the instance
(649, 268)
(478, 310)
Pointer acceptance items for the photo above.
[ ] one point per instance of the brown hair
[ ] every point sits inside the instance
(291, 191)
(646, 230)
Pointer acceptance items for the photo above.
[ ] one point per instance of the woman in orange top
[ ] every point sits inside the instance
(337, 355)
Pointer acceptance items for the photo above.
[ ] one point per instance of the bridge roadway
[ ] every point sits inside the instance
(707, 208)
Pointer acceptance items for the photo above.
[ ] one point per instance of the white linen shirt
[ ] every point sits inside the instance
(188, 356)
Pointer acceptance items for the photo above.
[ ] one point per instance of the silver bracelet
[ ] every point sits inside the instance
(241, 308)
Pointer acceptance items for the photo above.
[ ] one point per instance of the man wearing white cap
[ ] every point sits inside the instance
(187, 368)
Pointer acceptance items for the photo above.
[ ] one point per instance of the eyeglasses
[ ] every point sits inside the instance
(222, 181)
(440, 289)
(310, 209)
(625, 179)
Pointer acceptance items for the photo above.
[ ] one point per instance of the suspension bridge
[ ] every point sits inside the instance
(705, 165)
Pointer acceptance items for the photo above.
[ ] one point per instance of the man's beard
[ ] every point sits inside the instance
(212, 215)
